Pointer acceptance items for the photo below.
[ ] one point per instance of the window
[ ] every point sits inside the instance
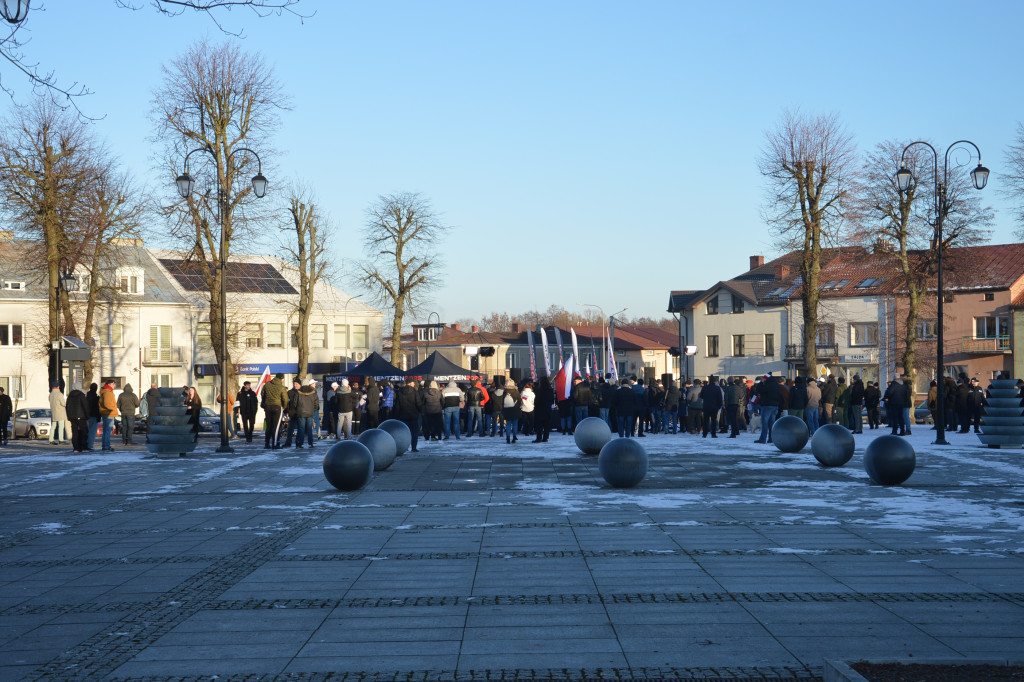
(737, 345)
(12, 335)
(991, 327)
(318, 336)
(737, 304)
(427, 333)
(295, 336)
(253, 336)
(511, 359)
(14, 387)
(275, 335)
(130, 284)
(927, 330)
(116, 382)
(340, 336)
(870, 282)
(161, 380)
(129, 280)
(712, 305)
(14, 286)
(111, 336)
(990, 297)
(864, 334)
(160, 342)
(833, 284)
(769, 345)
(826, 335)
(203, 338)
(359, 336)
(712, 346)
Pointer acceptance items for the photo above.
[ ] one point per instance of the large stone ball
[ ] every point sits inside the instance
(400, 432)
(592, 434)
(790, 434)
(348, 465)
(832, 445)
(381, 445)
(889, 460)
(622, 462)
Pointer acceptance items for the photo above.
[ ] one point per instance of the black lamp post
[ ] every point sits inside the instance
(66, 282)
(979, 176)
(186, 183)
(14, 11)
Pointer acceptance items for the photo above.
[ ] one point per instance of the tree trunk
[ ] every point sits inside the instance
(396, 334)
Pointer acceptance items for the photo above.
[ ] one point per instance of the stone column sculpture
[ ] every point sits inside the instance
(1004, 417)
(169, 434)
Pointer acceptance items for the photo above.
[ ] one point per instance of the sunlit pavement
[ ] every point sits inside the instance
(474, 559)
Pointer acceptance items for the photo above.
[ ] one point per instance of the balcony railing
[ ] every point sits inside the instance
(795, 351)
(997, 344)
(153, 356)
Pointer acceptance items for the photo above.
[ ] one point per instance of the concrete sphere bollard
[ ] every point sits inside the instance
(832, 445)
(400, 432)
(381, 445)
(622, 463)
(790, 434)
(889, 460)
(348, 465)
(592, 434)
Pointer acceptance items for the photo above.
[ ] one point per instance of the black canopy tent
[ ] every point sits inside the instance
(373, 366)
(441, 369)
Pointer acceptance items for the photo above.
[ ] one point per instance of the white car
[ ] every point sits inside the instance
(33, 422)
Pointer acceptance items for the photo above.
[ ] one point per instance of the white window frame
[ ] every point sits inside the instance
(867, 341)
(14, 285)
(342, 331)
(1000, 322)
(10, 335)
(360, 330)
(106, 335)
(13, 380)
(275, 329)
(318, 340)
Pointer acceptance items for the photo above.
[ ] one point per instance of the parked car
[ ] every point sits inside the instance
(32, 423)
(922, 415)
(209, 420)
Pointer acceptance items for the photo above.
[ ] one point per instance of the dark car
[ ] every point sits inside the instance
(922, 415)
(209, 420)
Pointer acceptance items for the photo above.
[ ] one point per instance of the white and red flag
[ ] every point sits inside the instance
(563, 380)
(264, 379)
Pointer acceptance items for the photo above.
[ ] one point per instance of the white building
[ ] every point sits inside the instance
(156, 329)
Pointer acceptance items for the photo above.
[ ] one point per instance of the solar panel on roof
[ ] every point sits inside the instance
(243, 278)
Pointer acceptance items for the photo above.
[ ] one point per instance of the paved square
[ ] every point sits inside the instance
(474, 559)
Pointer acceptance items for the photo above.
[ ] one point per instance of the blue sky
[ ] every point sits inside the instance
(603, 152)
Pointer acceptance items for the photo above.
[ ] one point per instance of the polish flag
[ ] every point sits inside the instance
(563, 380)
(264, 379)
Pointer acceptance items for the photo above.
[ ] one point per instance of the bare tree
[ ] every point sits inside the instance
(44, 81)
(903, 224)
(400, 267)
(47, 162)
(309, 232)
(1014, 178)
(809, 165)
(222, 104)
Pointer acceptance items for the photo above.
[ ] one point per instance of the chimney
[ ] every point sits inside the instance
(782, 272)
(455, 326)
(756, 262)
(515, 327)
(474, 329)
(883, 245)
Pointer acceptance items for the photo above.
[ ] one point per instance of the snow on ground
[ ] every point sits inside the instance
(987, 496)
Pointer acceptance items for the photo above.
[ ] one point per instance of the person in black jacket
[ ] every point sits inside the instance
(625, 408)
(248, 402)
(542, 403)
(409, 408)
(976, 402)
(372, 404)
(291, 411)
(963, 408)
(872, 396)
(895, 397)
(712, 397)
(853, 419)
(92, 399)
(78, 414)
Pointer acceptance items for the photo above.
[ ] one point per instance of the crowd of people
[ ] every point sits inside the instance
(500, 408)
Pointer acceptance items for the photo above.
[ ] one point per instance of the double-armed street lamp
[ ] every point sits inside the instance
(14, 11)
(904, 179)
(186, 183)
